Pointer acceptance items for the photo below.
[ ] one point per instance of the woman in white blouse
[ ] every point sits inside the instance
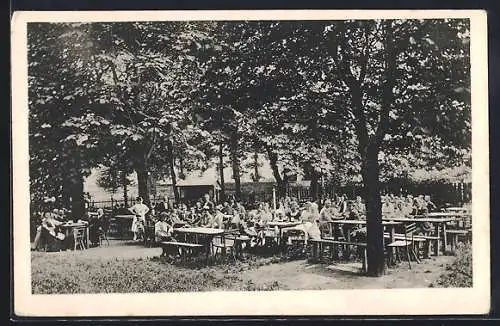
(139, 210)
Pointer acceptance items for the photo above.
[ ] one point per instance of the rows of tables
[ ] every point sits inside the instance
(439, 220)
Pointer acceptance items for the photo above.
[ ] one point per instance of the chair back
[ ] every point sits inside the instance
(227, 240)
(270, 232)
(410, 229)
(296, 234)
(79, 233)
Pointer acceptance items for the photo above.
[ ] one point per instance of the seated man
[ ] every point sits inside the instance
(194, 218)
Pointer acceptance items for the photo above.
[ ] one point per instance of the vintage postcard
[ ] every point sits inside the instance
(283, 162)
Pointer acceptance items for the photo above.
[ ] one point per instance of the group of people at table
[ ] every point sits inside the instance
(311, 217)
(53, 231)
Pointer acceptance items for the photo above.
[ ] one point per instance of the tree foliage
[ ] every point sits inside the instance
(338, 100)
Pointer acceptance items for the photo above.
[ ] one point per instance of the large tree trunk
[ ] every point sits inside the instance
(256, 165)
(236, 165)
(273, 161)
(76, 189)
(222, 194)
(142, 183)
(77, 198)
(314, 185)
(312, 175)
(170, 154)
(375, 230)
(125, 189)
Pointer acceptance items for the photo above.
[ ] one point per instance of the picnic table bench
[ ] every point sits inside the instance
(206, 234)
(185, 249)
(439, 223)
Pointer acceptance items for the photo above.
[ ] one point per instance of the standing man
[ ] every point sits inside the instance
(208, 205)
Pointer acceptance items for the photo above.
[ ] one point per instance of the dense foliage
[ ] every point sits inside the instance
(328, 99)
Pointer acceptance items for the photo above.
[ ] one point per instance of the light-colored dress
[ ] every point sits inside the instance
(140, 211)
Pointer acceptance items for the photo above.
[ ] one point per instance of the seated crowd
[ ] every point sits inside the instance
(311, 217)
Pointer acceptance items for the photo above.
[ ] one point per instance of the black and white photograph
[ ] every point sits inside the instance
(272, 162)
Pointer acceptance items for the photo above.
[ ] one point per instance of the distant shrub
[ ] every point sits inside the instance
(459, 273)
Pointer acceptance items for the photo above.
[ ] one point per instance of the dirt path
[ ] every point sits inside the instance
(117, 249)
(299, 275)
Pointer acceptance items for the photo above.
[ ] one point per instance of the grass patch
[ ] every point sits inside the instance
(54, 273)
(459, 273)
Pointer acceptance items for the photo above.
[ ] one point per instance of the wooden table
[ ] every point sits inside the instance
(436, 221)
(283, 224)
(68, 228)
(457, 209)
(207, 233)
(390, 223)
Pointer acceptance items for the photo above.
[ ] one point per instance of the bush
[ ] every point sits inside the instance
(459, 273)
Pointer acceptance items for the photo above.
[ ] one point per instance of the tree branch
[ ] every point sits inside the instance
(153, 142)
(363, 62)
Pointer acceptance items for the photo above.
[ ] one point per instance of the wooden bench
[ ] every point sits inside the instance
(185, 249)
(332, 243)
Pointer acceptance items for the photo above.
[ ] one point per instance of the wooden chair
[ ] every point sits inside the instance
(79, 238)
(407, 244)
(224, 244)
